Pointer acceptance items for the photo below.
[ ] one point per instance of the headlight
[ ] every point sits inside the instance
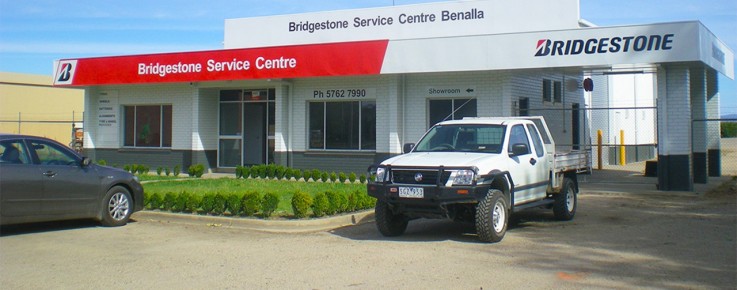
(464, 177)
(380, 174)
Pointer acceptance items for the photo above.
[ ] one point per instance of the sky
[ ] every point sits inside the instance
(35, 33)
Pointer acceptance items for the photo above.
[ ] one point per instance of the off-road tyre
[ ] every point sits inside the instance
(389, 223)
(566, 201)
(492, 217)
(117, 207)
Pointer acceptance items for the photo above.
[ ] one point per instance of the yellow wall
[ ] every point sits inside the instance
(36, 99)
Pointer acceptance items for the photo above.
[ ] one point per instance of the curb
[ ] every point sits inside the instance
(271, 226)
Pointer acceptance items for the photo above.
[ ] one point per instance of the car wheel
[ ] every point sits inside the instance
(492, 216)
(389, 223)
(564, 207)
(116, 207)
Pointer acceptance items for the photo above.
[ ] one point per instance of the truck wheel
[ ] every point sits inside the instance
(389, 223)
(564, 206)
(116, 207)
(492, 216)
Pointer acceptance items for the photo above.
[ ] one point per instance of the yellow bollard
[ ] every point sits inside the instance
(599, 137)
(622, 159)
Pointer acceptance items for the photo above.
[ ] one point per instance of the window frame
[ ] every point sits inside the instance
(360, 118)
(162, 126)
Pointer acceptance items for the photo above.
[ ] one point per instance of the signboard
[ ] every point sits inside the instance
(108, 120)
(429, 20)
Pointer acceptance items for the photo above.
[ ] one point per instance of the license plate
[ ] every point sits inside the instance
(411, 192)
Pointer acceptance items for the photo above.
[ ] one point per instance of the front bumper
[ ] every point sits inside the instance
(434, 203)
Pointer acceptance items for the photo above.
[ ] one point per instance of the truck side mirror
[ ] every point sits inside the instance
(519, 149)
(408, 147)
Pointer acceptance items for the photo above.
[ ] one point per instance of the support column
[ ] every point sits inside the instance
(714, 152)
(699, 136)
(674, 129)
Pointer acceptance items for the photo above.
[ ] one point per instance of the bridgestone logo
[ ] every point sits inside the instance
(549, 47)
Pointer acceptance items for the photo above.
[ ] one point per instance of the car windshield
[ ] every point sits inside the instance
(462, 138)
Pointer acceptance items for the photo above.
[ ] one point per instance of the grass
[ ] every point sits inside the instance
(227, 186)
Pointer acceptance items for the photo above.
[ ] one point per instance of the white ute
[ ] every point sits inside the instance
(479, 170)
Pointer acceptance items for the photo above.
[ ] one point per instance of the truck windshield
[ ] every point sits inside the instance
(462, 138)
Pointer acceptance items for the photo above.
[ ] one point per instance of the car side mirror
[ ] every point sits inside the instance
(519, 149)
(85, 162)
(408, 147)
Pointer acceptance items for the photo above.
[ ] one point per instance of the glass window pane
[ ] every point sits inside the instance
(464, 108)
(230, 119)
(317, 122)
(368, 125)
(439, 110)
(546, 91)
(230, 95)
(230, 153)
(272, 118)
(557, 91)
(49, 154)
(536, 141)
(166, 126)
(129, 127)
(341, 125)
(148, 126)
(518, 136)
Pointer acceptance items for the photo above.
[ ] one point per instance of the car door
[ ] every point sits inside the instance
(69, 188)
(542, 166)
(21, 187)
(522, 167)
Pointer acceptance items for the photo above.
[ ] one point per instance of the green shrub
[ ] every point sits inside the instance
(324, 177)
(280, 172)
(352, 201)
(208, 202)
(167, 171)
(180, 202)
(270, 171)
(251, 203)
(301, 203)
(101, 162)
(307, 174)
(320, 204)
(234, 204)
(238, 172)
(364, 201)
(127, 167)
(333, 176)
(362, 178)
(297, 174)
(142, 169)
(169, 199)
(288, 173)
(177, 170)
(196, 170)
(729, 129)
(342, 177)
(269, 203)
(219, 203)
(155, 201)
(246, 172)
(316, 174)
(352, 177)
(194, 202)
(337, 202)
(159, 170)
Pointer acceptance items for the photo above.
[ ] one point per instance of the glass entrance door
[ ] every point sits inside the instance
(246, 127)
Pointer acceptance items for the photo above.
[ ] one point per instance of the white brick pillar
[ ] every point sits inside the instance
(714, 152)
(674, 129)
(698, 114)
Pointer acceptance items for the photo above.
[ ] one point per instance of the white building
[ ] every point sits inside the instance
(341, 90)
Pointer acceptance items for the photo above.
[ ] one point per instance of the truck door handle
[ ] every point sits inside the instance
(533, 161)
(49, 173)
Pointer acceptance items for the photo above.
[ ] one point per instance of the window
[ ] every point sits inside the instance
(536, 140)
(453, 109)
(552, 91)
(557, 92)
(148, 126)
(13, 152)
(50, 154)
(342, 125)
(547, 92)
(518, 136)
(524, 107)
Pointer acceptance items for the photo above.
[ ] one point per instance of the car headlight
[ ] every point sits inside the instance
(464, 177)
(380, 174)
